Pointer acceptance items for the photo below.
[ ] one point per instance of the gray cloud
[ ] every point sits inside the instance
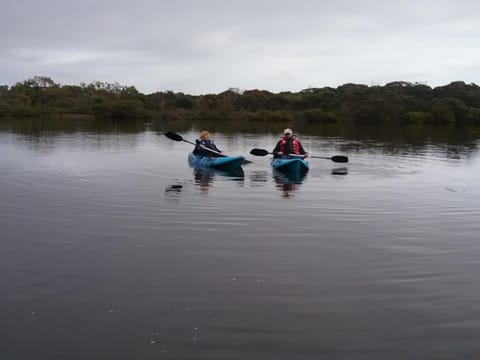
(208, 46)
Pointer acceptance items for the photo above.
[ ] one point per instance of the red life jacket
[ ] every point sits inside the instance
(295, 146)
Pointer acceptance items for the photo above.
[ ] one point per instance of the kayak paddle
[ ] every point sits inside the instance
(336, 158)
(177, 137)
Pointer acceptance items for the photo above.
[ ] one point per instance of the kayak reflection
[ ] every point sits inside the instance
(204, 178)
(288, 182)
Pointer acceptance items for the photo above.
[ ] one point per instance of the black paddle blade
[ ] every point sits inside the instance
(259, 152)
(173, 136)
(339, 158)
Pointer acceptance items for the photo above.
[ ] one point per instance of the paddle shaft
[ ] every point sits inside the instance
(296, 155)
(336, 158)
(208, 149)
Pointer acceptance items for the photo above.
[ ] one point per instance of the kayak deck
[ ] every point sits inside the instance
(219, 163)
(290, 164)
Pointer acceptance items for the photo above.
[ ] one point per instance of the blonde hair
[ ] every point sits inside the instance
(205, 135)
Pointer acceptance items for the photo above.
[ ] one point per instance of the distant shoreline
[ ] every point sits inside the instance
(397, 102)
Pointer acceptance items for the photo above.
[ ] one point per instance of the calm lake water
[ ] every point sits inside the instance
(111, 247)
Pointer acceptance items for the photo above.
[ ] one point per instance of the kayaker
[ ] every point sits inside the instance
(288, 144)
(205, 146)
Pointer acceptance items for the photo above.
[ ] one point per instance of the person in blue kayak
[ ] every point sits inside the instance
(205, 146)
(288, 144)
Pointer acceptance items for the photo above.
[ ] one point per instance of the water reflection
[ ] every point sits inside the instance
(174, 188)
(34, 128)
(204, 178)
(340, 171)
(173, 192)
(288, 182)
(258, 178)
(390, 137)
(448, 140)
(403, 226)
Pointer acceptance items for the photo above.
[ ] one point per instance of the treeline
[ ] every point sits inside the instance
(42, 96)
(396, 102)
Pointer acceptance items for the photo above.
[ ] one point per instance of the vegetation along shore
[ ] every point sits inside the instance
(397, 102)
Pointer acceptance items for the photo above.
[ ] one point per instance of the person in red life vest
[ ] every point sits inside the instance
(206, 147)
(287, 145)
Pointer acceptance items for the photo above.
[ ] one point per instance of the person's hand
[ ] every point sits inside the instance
(305, 155)
(280, 153)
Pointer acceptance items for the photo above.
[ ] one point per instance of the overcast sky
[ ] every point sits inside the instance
(208, 46)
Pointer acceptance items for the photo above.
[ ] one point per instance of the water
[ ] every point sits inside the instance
(112, 247)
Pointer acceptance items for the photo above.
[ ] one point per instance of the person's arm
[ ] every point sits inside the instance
(302, 150)
(275, 151)
(197, 150)
(214, 147)
(204, 148)
(211, 145)
(208, 148)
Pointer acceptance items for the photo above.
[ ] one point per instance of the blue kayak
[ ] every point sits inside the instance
(219, 163)
(290, 165)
